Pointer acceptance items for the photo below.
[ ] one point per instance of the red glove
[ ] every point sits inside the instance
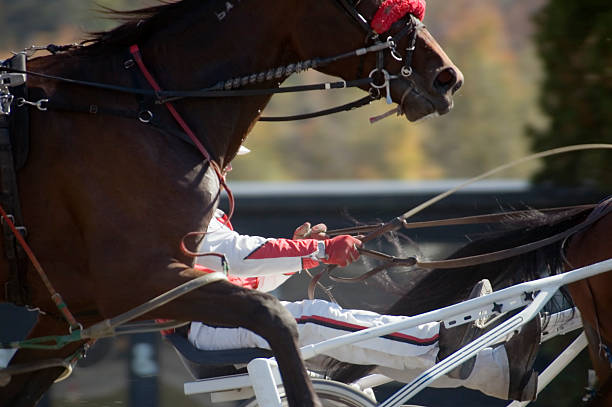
(341, 250)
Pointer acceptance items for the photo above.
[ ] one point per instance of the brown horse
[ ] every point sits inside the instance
(592, 296)
(107, 198)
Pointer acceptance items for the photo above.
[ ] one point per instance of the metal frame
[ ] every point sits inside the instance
(264, 377)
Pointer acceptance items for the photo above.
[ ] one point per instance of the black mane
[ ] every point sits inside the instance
(140, 24)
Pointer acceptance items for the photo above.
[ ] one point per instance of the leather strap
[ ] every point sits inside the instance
(135, 51)
(465, 220)
(597, 213)
(343, 108)
(15, 288)
(352, 12)
(19, 121)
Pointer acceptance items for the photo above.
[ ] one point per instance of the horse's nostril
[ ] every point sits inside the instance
(457, 86)
(446, 80)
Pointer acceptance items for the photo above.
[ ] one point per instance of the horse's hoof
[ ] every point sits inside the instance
(522, 350)
(453, 339)
(529, 391)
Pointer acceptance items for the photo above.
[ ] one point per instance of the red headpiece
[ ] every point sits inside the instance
(392, 10)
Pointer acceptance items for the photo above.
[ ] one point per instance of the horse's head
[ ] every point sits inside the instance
(423, 79)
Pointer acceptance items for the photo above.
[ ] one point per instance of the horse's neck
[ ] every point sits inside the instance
(238, 39)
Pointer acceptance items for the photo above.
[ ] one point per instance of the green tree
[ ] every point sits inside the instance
(574, 40)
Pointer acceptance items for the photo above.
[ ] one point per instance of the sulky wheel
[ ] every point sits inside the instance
(332, 394)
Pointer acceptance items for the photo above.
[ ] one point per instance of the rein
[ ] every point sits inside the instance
(465, 220)
(598, 211)
(55, 296)
(218, 90)
(395, 224)
(501, 254)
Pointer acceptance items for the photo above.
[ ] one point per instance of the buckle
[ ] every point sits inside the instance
(12, 79)
(5, 100)
(9, 216)
(23, 231)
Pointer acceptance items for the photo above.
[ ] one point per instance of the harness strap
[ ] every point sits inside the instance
(601, 210)
(352, 12)
(17, 254)
(135, 51)
(344, 108)
(15, 288)
(19, 121)
(55, 296)
(465, 220)
(14, 146)
(598, 211)
(94, 109)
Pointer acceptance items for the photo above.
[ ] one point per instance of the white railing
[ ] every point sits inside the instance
(265, 380)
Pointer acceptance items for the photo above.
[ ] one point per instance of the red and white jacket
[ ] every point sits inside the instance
(256, 262)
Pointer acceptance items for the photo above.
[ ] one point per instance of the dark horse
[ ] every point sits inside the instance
(593, 296)
(107, 199)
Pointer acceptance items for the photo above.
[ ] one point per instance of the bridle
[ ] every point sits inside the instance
(379, 78)
(412, 26)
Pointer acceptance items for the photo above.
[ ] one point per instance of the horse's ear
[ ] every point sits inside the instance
(368, 8)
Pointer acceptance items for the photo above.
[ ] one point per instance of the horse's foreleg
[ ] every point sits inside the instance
(600, 362)
(603, 397)
(224, 304)
(25, 390)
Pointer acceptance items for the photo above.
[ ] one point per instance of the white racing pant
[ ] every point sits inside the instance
(401, 356)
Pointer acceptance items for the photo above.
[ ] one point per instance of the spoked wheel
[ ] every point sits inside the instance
(332, 394)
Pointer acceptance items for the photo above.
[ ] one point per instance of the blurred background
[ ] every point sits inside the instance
(538, 75)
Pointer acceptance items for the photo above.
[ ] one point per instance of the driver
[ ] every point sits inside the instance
(504, 371)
